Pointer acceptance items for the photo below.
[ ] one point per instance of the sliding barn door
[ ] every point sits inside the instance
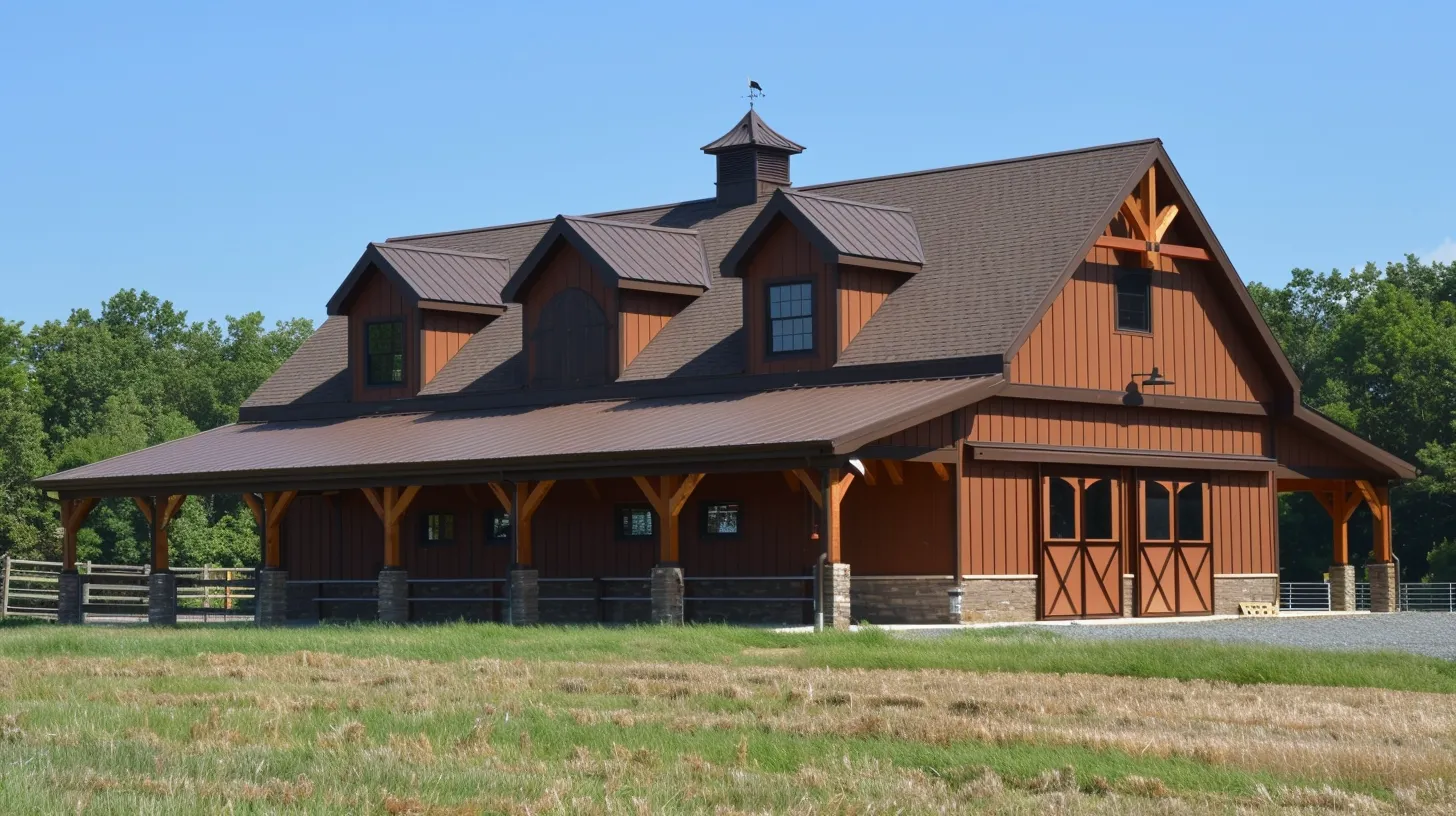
(1175, 549)
(1081, 547)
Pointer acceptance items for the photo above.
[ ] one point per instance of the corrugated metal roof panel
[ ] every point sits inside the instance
(798, 416)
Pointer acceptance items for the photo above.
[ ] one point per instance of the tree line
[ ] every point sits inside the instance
(1375, 349)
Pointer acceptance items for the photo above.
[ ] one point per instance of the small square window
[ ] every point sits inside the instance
(636, 521)
(439, 529)
(497, 527)
(790, 317)
(721, 519)
(1134, 297)
(384, 353)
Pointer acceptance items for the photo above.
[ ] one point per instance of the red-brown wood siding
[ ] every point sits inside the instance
(643, 315)
(1046, 422)
(1299, 450)
(906, 529)
(1194, 341)
(775, 523)
(443, 335)
(933, 433)
(377, 299)
(862, 292)
(1242, 517)
(784, 253)
(1001, 530)
(568, 269)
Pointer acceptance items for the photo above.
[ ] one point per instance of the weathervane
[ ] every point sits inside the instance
(755, 92)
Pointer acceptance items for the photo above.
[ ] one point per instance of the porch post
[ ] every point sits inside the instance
(162, 584)
(834, 583)
(390, 504)
(1382, 571)
(69, 608)
(955, 612)
(271, 598)
(1342, 574)
(668, 498)
(524, 587)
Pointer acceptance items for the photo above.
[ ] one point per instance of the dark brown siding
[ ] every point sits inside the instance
(776, 528)
(906, 529)
(567, 269)
(861, 293)
(643, 315)
(377, 299)
(1243, 535)
(1301, 451)
(1001, 499)
(1044, 422)
(1194, 341)
(785, 254)
(444, 334)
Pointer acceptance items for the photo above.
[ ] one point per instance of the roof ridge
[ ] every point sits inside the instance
(793, 192)
(438, 250)
(628, 224)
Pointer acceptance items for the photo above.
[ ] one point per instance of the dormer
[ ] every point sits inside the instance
(753, 160)
(815, 269)
(595, 292)
(410, 309)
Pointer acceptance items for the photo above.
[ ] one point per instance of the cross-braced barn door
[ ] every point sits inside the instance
(1175, 549)
(1081, 548)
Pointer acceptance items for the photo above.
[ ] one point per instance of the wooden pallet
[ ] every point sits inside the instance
(1258, 609)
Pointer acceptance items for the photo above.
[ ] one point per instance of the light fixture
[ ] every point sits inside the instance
(1154, 379)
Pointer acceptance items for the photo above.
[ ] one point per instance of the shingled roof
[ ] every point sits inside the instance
(633, 252)
(996, 238)
(431, 275)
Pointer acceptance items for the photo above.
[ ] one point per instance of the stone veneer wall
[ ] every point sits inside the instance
(1384, 587)
(1231, 590)
(997, 599)
(1342, 588)
(1129, 601)
(901, 599)
(836, 603)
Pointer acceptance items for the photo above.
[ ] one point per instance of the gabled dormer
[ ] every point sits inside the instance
(815, 269)
(595, 292)
(410, 309)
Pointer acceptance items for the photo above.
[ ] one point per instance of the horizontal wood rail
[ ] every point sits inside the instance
(1154, 247)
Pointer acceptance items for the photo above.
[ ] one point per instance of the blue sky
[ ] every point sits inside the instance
(239, 158)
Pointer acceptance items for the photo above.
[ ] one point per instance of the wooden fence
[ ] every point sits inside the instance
(119, 591)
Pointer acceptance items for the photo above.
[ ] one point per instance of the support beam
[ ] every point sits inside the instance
(962, 521)
(501, 496)
(941, 471)
(834, 484)
(668, 498)
(525, 499)
(791, 480)
(869, 471)
(274, 508)
(892, 467)
(159, 511)
(73, 514)
(808, 482)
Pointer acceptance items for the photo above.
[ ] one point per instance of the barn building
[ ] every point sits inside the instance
(1037, 381)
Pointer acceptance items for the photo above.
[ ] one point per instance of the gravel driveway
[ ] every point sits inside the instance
(1427, 633)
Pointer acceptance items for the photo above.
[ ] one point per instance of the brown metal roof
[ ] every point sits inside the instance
(826, 421)
(426, 273)
(752, 130)
(631, 251)
(843, 230)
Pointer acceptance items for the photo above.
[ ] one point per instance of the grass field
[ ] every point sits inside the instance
(485, 719)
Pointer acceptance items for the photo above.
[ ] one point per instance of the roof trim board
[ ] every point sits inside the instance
(807, 212)
(641, 261)
(485, 292)
(1360, 446)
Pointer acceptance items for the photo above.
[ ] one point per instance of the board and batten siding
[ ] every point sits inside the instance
(642, 316)
(1306, 454)
(783, 255)
(862, 292)
(1001, 499)
(444, 334)
(1242, 518)
(1194, 341)
(568, 269)
(905, 529)
(1070, 424)
(376, 299)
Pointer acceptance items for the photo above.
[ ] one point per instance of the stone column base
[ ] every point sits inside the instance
(393, 595)
(835, 600)
(999, 599)
(525, 597)
(68, 599)
(162, 599)
(1342, 588)
(667, 595)
(1384, 587)
(272, 600)
(1129, 603)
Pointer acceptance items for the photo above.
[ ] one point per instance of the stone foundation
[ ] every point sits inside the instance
(525, 597)
(1231, 590)
(1342, 589)
(837, 600)
(271, 606)
(766, 601)
(68, 599)
(1129, 601)
(999, 599)
(909, 599)
(667, 595)
(393, 595)
(162, 599)
(1384, 587)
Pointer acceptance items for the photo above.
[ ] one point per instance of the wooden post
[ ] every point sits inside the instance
(1383, 542)
(73, 515)
(834, 484)
(668, 499)
(268, 514)
(159, 512)
(390, 504)
(962, 519)
(206, 587)
(5, 587)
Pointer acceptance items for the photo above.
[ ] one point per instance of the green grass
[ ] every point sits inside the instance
(1002, 650)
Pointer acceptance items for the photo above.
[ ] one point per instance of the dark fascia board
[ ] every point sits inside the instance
(580, 466)
(561, 229)
(780, 204)
(1398, 468)
(1098, 396)
(982, 366)
(464, 308)
(972, 393)
(1156, 155)
(1115, 457)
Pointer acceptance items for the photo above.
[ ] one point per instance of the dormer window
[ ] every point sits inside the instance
(1134, 311)
(384, 353)
(791, 317)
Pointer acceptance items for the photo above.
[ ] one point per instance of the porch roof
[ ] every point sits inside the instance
(577, 438)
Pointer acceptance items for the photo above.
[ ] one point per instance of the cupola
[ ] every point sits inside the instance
(753, 161)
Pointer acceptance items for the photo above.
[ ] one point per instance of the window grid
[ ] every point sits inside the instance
(439, 529)
(1134, 310)
(497, 526)
(636, 521)
(791, 317)
(722, 519)
(384, 353)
